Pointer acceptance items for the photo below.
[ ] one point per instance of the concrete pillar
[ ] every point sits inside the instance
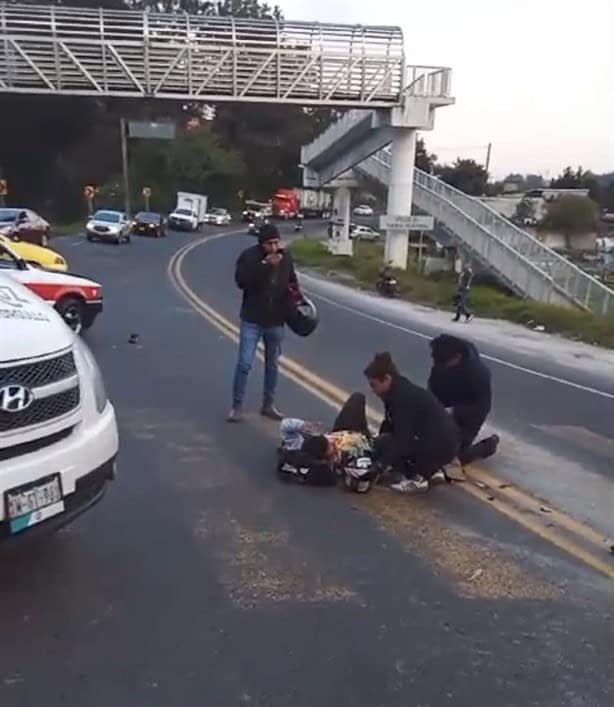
(340, 243)
(400, 189)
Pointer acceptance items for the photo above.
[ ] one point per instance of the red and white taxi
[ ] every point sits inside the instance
(77, 299)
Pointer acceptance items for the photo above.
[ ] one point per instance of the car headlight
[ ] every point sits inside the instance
(100, 393)
(59, 261)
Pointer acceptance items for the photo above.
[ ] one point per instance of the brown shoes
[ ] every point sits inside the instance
(271, 413)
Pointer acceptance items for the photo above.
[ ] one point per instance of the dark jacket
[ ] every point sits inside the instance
(265, 287)
(418, 422)
(464, 281)
(465, 387)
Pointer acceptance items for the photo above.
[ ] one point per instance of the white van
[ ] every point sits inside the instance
(58, 434)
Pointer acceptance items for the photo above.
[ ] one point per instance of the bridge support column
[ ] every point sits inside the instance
(400, 190)
(340, 243)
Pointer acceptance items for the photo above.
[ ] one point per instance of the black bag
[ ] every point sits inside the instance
(298, 466)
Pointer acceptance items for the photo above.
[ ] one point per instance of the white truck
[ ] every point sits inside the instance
(190, 212)
(58, 434)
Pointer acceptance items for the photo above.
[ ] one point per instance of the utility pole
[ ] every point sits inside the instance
(489, 148)
(124, 141)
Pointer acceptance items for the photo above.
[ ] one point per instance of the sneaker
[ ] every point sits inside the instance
(235, 415)
(439, 477)
(493, 444)
(417, 484)
(469, 318)
(272, 413)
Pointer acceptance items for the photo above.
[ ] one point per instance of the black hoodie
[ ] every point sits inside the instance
(464, 387)
(417, 421)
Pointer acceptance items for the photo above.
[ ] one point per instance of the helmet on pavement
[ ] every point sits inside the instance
(302, 317)
(359, 475)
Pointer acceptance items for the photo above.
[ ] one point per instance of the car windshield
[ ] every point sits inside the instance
(7, 260)
(8, 215)
(183, 212)
(108, 216)
(148, 217)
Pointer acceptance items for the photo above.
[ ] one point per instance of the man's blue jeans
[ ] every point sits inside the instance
(251, 334)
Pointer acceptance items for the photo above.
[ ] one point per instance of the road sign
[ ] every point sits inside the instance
(151, 131)
(406, 223)
(147, 192)
(4, 187)
(89, 191)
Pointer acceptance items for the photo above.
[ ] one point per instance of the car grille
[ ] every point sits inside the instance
(34, 375)
(41, 410)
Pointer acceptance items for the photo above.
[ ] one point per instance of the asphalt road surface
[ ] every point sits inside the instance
(202, 580)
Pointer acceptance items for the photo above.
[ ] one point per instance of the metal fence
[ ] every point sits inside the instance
(53, 49)
(526, 264)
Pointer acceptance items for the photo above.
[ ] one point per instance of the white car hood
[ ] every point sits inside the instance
(30, 327)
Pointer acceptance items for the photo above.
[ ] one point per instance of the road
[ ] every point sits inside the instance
(200, 579)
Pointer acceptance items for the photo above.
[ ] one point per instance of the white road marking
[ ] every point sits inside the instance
(494, 359)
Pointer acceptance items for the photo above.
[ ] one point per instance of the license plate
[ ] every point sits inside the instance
(33, 503)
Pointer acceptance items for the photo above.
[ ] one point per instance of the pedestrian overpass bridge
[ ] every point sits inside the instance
(59, 50)
(361, 142)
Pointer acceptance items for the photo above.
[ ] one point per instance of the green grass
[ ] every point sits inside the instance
(68, 229)
(438, 290)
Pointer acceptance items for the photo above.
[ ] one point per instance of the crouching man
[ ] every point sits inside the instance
(460, 380)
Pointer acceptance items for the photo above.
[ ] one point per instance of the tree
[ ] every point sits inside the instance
(466, 175)
(425, 160)
(571, 216)
(578, 179)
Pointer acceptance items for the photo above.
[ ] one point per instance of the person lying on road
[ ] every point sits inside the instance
(324, 456)
(460, 380)
(418, 437)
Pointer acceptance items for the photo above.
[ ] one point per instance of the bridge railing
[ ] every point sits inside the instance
(428, 81)
(497, 234)
(85, 51)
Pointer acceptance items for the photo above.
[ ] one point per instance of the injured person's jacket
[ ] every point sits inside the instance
(417, 422)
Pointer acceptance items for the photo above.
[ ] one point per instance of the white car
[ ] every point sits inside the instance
(218, 217)
(365, 233)
(58, 434)
(106, 225)
(363, 210)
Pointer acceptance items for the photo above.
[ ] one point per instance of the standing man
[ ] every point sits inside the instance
(265, 273)
(460, 380)
(462, 294)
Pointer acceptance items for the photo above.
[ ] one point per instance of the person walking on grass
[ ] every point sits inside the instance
(461, 300)
(265, 273)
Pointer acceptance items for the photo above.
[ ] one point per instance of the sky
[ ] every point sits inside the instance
(533, 77)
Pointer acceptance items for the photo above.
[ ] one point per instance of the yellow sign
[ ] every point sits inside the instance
(89, 191)
(4, 187)
(147, 192)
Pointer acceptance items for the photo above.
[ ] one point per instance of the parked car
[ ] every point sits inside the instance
(58, 433)
(218, 217)
(25, 225)
(36, 254)
(77, 299)
(364, 233)
(106, 225)
(363, 210)
(148, 223)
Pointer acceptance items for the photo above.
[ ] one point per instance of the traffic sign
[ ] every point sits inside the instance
(406, 223)
(147, 192)
(4, 187)
(89, 191)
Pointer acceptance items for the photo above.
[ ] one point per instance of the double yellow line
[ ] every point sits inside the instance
(565, 532)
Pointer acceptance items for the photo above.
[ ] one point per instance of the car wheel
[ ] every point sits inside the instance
(128, 239)
(89, 238)
(72, 312)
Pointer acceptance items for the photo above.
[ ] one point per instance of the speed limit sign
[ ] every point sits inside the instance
(147, 192)
(89, 191)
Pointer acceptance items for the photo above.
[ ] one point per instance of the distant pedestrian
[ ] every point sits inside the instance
(461, 300)
(265, 273)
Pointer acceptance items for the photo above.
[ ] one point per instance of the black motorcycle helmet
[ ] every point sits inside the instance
(302, 317)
